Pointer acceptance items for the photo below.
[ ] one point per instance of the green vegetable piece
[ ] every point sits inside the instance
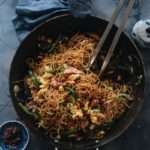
(34, 79)
(108, 124)
(55, 69)
(124, 96)
(96, 110)
(139, 80)
(26, 110)
(72, 132)
(71, 92)
(53, 46)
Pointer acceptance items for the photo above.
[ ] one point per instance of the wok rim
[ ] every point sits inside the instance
(66, 14)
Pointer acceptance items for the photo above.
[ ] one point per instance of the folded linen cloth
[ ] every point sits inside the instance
(30, 13)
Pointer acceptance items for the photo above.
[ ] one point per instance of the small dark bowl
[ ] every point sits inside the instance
(24, 135)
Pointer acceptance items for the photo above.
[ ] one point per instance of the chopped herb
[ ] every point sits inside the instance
(121, 98)
(45, 46)
(26, 110)
(108, 124)
(96, 110)
(71, 92)
(30, 62)
(52, 47)
(124, 96)
(71, 130)
(69, 105)
(139, 80)
(34, 79)
(55, 69)
(108, 87)
(72, 99)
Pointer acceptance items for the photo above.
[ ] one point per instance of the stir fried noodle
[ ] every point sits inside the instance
(68, 99)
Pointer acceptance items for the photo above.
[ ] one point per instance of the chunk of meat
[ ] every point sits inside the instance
(74, 77)
(95, 102)
(55, 83)
(72, 70)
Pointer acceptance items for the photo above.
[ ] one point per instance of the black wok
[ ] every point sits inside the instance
(66, 24)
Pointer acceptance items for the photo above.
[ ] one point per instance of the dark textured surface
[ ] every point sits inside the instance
(137, 137)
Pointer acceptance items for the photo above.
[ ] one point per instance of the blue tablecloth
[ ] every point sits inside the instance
(30, 13)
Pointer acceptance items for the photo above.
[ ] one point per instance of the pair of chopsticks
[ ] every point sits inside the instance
(116, 37)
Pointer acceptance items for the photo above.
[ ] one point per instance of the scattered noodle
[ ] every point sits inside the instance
(68, 98)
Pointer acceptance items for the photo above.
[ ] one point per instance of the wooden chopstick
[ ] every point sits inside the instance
(106, 32)
(117, 36)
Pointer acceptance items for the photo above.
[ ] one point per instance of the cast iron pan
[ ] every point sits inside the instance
(67, 24)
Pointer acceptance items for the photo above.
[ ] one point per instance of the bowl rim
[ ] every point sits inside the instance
(24, 127)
